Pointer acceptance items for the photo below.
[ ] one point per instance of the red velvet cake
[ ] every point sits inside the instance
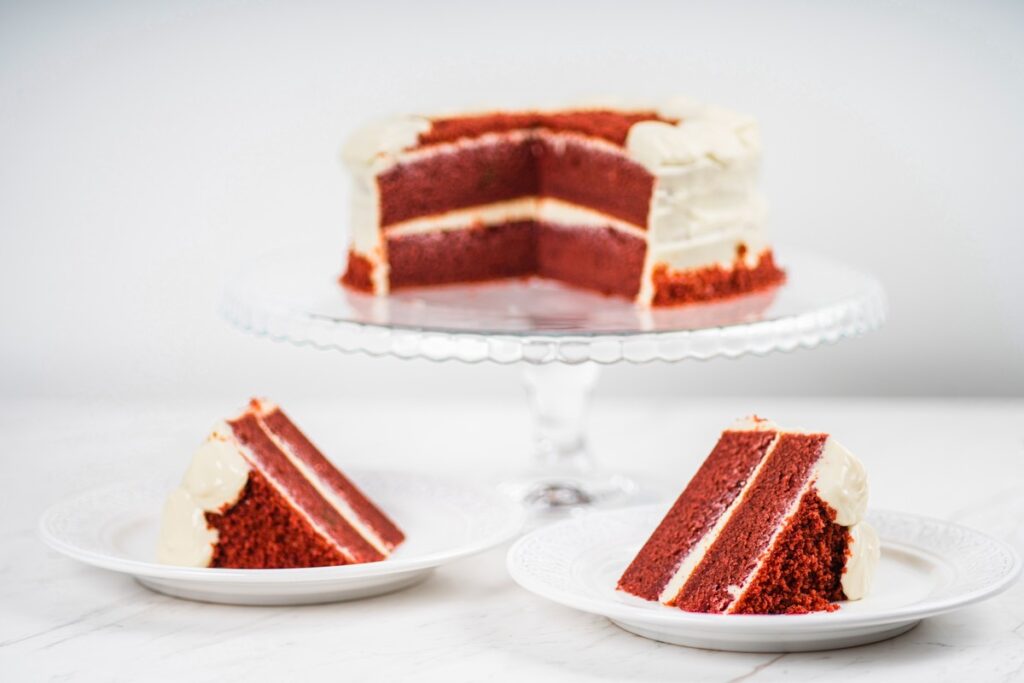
(655, 204)
(259, 495)
(772, 523)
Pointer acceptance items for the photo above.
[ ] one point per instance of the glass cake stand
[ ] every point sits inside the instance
(560, 335)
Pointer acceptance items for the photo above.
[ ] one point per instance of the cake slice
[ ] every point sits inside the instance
(259, 495)
(771, 523)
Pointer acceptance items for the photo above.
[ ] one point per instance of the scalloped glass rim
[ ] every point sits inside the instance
(293, 295)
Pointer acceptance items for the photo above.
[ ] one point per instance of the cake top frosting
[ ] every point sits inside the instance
(674, 135)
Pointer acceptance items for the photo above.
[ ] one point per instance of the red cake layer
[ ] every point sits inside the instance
(470, 255)
(612, 126)
(708, 495)
(273, 464)
(482, 174)
(262, 531)
(477, 175)
(358, 273)
(369, 514)
(745, 538)
(610, 183)
(714, 282)
(803, 571)
(605, 260)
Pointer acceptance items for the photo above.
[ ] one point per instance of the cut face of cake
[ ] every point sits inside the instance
(655, 204)
(771, 523)
(259, 495)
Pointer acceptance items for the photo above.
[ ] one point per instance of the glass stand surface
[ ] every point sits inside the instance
(559, 334)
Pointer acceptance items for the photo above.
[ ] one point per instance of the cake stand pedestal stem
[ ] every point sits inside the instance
(559, 399)
(564, 474)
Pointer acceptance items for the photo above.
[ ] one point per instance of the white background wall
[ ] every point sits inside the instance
(149, 148)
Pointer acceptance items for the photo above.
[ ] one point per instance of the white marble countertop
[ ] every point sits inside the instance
(957, 460)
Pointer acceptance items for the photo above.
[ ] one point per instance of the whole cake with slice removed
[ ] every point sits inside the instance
(656, 203)
(259, 495)
(771, 523)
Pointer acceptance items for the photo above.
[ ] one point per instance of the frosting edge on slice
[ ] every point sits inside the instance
(215, 478)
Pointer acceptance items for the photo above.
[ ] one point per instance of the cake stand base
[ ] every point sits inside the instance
(564, 475)
(551, 493)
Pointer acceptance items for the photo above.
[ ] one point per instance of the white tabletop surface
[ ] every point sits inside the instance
(59, 620)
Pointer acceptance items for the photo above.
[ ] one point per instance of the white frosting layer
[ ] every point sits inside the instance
(703, 199)
(708, 250)
(865, 551)
(703, 133)
(215, 478)
(543, 209)
(385, 138)
(704, 202)
(841, 481)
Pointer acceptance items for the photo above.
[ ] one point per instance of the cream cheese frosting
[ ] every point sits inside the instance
(216, 477)
(383, 138)
(865, 551)
(543, 209)
(841, 481)
(703, 132)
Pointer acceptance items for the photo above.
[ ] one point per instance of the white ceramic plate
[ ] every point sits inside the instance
(116, 528)
(928, 567)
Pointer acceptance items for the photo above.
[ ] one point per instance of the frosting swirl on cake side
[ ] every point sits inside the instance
(215, 478)
(842, 482)
(864, 552)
